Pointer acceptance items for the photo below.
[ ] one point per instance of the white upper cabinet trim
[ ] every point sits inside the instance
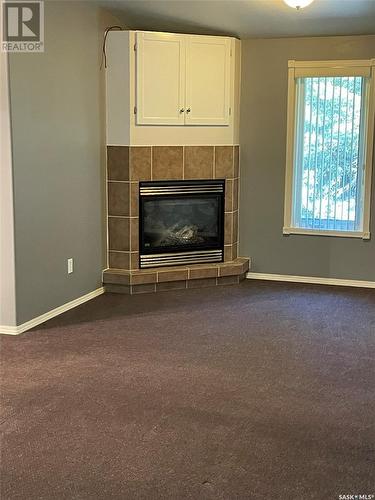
(160, 79)
(182, 79)
(208, 72)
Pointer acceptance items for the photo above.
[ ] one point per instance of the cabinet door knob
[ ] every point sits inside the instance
(188, 110)
(182, 110)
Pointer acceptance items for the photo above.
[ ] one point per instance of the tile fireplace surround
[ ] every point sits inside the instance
(126, 167)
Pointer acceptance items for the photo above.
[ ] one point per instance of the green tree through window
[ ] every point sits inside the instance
(330, 180)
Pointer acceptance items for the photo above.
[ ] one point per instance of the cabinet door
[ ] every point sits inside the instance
(160, 79)
(208, 80)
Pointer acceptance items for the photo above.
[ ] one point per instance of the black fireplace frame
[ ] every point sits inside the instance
(194, 185)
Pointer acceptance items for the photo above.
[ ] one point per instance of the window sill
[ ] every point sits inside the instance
(316, 232)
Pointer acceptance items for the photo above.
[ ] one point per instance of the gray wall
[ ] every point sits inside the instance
(7, 264)
(263, 146)
(58, 143)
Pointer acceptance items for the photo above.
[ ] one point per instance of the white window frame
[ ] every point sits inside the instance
(298, 69)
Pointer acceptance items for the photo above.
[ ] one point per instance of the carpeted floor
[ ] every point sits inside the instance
(255, 391)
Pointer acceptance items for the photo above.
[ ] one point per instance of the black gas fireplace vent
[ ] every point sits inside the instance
(181, 222)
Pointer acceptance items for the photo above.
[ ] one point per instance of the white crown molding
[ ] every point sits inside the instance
(311, 280)
(16, 330)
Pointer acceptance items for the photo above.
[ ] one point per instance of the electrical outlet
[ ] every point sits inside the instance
(70, 266)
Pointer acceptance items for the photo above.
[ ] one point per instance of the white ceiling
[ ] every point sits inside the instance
(247, 18)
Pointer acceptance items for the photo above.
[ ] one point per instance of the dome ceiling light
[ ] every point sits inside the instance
(298, 4)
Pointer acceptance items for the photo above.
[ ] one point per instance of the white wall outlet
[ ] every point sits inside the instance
(70, 266)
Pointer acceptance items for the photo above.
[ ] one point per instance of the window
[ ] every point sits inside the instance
(329, 148)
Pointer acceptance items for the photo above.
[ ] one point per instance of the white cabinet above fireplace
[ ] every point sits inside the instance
(160, 79)
(182, 79)
(208, 75)
(166, 89)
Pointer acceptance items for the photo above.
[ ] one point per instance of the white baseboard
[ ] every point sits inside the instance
(311, 280)
(16, 330)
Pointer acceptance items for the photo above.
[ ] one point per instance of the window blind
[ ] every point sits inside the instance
(328, 190)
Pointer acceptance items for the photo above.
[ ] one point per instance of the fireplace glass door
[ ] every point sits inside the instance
(182, 218)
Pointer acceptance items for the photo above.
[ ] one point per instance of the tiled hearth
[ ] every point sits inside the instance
(127, 166)
(175, 278)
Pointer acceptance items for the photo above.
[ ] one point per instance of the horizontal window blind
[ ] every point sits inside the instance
(328, 183)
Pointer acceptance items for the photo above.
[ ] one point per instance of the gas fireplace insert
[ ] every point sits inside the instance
(181, 222)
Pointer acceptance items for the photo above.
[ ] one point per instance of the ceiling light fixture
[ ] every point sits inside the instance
(298, 4)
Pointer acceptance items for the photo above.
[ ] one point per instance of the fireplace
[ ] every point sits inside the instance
(183, 233)
(181, 222)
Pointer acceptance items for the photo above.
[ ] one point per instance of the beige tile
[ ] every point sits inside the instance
(236, 161)
(234, 251)
(228, 253)
(228, 280)
(235, 227)
(245, 261)
(134, 199)
(118, 233)
(116, 278)
(134, 260)
(118, 163)
(172, 275)
(199, 162)
(229, 195)
(203, 271)
(146, 288)
(170, 285)
(235, 194)
(140, 163)
(118, 198)
(201, 283)
(134, 231)
(142, 277)
(230, 269)
(224, 162)
(119, 260)
(166, 162)
(228, 228)
(118, 289)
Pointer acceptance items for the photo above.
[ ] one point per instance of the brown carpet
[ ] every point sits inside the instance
(255, 391)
